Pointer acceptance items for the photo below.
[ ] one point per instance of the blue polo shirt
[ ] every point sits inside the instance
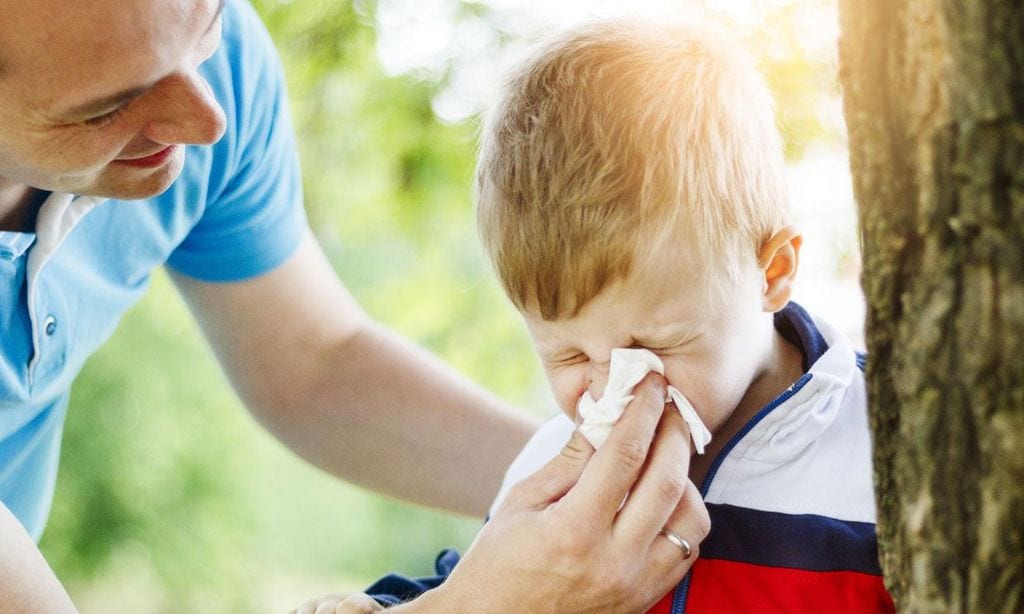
(234, 212)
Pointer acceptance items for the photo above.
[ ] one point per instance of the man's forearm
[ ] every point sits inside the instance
(26, 582)
(349, 395)
(386, 414)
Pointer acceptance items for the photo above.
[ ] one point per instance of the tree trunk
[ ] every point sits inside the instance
(934, 103)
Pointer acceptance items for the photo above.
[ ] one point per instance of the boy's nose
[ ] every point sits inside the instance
(598, 380)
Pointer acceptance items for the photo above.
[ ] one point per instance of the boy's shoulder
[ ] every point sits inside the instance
(809, 451)
(545, 444)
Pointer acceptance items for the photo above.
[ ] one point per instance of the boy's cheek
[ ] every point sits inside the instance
(567, 394)
(567, 403)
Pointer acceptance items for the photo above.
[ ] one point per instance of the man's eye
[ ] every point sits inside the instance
(106, 118)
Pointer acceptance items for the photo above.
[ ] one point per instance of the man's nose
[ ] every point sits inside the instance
(190, 114)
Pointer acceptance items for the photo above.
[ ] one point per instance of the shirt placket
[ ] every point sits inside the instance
(57, 218)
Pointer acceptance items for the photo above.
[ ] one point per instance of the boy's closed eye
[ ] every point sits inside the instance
(571, 358)
(664, 346)
(564, 359)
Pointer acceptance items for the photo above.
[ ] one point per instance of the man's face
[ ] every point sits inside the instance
(100, 97)
(712, 351)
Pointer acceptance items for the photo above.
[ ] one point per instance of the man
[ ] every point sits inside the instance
(134, 135)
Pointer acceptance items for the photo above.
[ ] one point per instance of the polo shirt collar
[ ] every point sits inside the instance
(14, 244)
(57, 218)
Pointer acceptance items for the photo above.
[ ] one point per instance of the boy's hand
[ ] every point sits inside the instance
(567, 539)
(356, 603)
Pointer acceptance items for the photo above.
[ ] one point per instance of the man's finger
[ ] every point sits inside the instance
(661, 485)
(688, 522)
(613, 470)
(552, 481)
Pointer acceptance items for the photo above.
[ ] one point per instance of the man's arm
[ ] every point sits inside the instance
(349, 395)
(27, 583)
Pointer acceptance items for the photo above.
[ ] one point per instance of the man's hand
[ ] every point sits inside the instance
(582, 534)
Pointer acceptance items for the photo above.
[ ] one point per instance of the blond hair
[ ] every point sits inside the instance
(617, 139)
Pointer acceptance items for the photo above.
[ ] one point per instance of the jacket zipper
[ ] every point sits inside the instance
(682, 591)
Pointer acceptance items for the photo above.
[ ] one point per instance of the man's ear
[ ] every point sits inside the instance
(778, 259)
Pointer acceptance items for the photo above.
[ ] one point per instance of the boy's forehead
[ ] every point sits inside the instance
(642, 309)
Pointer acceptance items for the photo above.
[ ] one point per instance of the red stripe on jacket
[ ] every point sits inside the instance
(725, 587)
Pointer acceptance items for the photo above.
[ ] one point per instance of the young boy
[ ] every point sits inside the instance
(631, 194)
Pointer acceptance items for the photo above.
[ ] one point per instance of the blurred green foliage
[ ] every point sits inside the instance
(170, 498)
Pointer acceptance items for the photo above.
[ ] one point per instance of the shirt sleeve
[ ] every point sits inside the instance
(253, 218)
(394, 589)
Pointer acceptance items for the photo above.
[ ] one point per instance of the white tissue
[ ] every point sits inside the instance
(629, 366)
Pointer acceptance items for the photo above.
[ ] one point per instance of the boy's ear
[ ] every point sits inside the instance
(778, 259)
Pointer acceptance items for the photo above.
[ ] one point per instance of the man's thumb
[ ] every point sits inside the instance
(552, 481)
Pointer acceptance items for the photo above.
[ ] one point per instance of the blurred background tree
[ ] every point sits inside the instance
(171, 499)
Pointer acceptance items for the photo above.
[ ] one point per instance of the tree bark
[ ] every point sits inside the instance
(934, 104)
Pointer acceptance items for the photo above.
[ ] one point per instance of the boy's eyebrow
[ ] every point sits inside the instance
(104, 103)
(553, 350)
(668, 336)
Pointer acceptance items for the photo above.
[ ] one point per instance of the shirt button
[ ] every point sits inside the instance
(50, 325)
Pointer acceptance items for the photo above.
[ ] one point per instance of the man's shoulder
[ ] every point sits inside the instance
(243, 35)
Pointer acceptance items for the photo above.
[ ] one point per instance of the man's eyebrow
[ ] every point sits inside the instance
(112, 101)
(104, 104)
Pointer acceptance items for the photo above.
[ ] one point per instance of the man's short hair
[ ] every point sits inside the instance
(620, 138)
